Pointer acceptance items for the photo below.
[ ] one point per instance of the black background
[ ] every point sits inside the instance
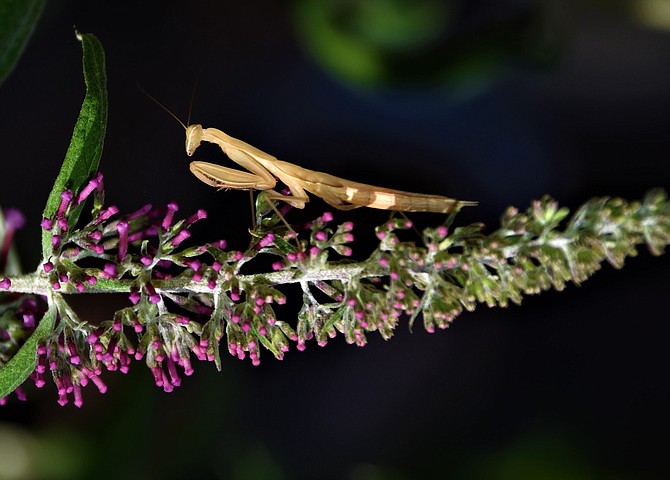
(568, 385)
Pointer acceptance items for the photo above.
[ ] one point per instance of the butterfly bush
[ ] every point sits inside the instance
(185, 301)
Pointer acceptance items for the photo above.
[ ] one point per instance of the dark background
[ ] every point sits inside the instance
(508, 101)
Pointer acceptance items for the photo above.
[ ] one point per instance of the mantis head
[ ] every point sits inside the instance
(193, 138)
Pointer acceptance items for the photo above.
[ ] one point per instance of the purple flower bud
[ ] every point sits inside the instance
(321, 236)
(267, 240)
(193, 264)
(55, 241)
(134, 296)
(97, 249)
(172, 370)
(88, 189)
(153, 296)
(199, 215)
(62, 223)
(327, 217)
(348, 226)
(99, 178)
(180, 237)
(5, 283)
(46, 223)
(110, 270)
(65, 199)
(48, 266)
(172, 207)
(442, 231)
(146, 260)
(106, 214)
(102, 388)
(122, 228)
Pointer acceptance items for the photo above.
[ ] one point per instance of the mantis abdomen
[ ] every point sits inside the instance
(346, 194)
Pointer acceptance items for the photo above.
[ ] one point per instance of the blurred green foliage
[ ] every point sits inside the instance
(17, 21)
(424, 43)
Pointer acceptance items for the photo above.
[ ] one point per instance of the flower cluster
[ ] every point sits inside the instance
(184, 301)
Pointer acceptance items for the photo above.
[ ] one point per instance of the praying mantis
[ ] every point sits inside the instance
(266, 169)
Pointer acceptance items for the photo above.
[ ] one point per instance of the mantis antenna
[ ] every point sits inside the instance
(167, 109)
(190, 105)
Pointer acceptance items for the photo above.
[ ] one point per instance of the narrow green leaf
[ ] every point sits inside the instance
(83, 154)
(23, 363)
(17, 20)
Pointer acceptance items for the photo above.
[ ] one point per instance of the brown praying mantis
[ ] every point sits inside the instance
(264, 170)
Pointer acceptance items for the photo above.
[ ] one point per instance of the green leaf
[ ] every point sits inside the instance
(17, 20)
(15, 372)
(83, 154)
